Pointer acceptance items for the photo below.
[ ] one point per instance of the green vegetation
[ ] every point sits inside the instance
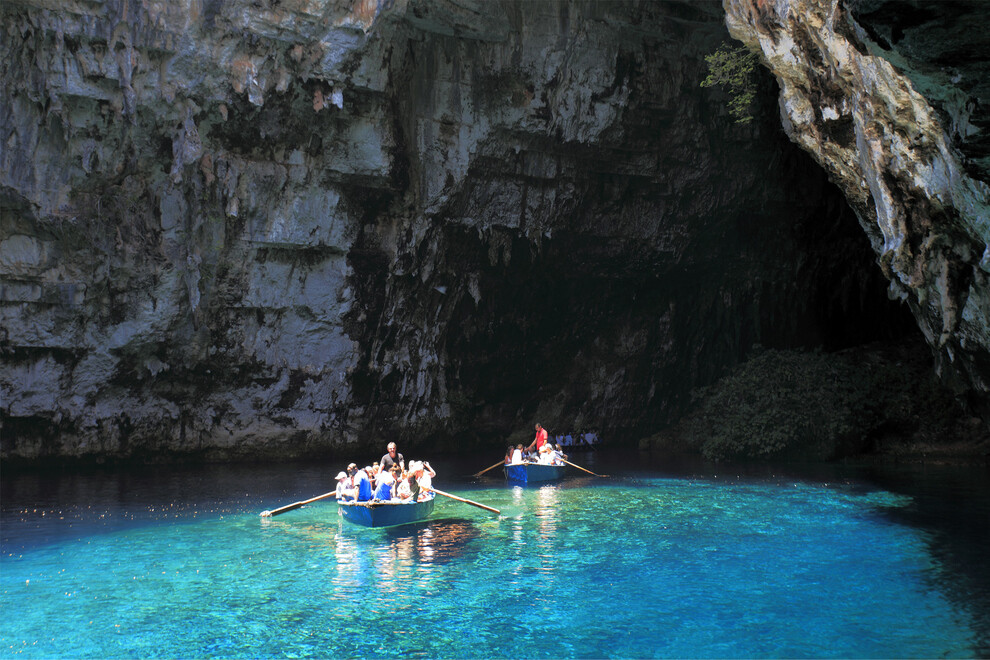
(820, 406)
(732, 69)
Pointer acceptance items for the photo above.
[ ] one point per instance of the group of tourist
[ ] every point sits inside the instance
(542, 450)
(589, 439)
(387, 480)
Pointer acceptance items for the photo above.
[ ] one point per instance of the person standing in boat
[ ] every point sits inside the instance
(392, 457)
(539, 440)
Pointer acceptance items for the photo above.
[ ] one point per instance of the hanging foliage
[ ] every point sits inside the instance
(732, 69)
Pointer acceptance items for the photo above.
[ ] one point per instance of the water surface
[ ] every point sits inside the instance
(653, 561)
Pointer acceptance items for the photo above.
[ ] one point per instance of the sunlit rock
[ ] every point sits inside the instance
(899, 123)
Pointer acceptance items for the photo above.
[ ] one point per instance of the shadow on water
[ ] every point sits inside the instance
(951, 505)
(434, 541)
(948, 504)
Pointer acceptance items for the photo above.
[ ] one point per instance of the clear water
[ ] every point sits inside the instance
(649, 562)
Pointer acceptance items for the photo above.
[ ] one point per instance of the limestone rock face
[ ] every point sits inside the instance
(239, 228)
(893, 99)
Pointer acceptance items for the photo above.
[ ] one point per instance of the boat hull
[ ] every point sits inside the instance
(530, 473)
(385, 514)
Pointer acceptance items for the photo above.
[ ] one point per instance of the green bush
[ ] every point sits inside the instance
(818, 406)
(781, 403)
(732, 69)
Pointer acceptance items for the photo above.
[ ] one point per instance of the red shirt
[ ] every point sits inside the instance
(541, 437)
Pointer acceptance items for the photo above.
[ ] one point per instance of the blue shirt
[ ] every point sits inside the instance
(364, 486)
(384, 491)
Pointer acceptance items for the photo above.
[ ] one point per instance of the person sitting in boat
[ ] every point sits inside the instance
(517, 455)
(408, 490)
(345, 489)
(392, 457)
(557, 456)
(546, 454)
(362, 484)
(424, 474)
(508, 454)
(373, 472)
(386, 482)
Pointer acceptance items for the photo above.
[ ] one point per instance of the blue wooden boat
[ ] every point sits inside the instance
(376, 513)
(530, 473)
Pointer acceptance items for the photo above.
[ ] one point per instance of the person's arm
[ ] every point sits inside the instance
(429, 469)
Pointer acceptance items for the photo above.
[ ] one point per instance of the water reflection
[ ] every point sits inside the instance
(432, 542)
(547, 514)
(389, 558)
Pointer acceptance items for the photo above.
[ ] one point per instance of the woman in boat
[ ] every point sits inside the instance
(508, 454)
(383, 491)
(423, 474)
(517, 455)
(546, 454)
(372, 472)
(408, 488)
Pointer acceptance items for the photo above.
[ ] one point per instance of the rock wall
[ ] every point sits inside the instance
(237, 229)
(893, 99)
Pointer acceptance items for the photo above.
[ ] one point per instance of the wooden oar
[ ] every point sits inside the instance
(296, 505)
(478, 474)
(461, 499)
(581, 468)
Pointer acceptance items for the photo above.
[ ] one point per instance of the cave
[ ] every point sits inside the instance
(437, 223)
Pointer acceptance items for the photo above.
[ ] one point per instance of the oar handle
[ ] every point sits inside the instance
(466, 501)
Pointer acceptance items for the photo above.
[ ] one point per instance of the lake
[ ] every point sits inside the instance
(659, 559)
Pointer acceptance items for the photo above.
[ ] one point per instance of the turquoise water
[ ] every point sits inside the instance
(642, 564)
